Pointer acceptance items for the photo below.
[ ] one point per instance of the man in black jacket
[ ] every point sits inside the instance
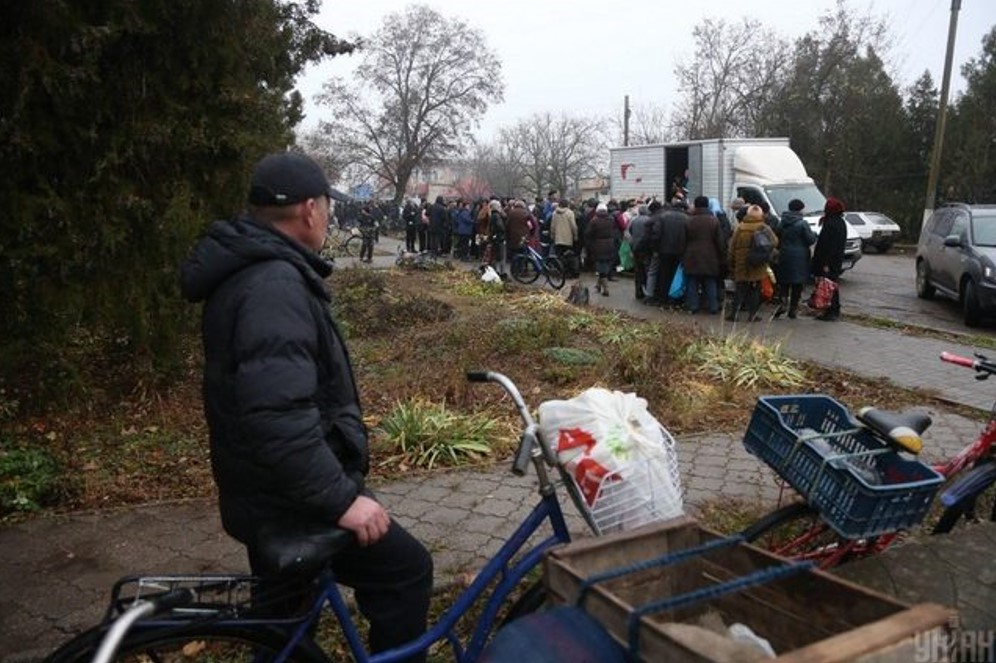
(288, 443)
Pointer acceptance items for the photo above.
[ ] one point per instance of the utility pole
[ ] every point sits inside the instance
(935, 160)
(626, 113)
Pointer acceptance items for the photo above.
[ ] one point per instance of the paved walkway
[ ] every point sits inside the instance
(56, 571)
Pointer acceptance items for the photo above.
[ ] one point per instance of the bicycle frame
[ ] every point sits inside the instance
(535, 257)
(507, 567)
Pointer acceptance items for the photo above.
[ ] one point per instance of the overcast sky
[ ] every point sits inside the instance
(583, 58)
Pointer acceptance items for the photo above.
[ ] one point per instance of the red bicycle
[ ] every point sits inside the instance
(861, 490)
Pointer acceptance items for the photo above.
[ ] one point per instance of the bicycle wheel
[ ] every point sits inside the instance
(351, 247)
(554, 270)
(204, 644)
(524, 269)
(797, 531)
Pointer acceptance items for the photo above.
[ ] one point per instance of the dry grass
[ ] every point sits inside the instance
(412, 336)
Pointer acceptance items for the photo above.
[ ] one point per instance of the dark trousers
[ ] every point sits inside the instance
(410, 234)
(463, 246)
(569, 261)
(668, 265)
(367, 246)
(640, 275)
(435, 242)
(790, 294)
(391, 579)
(747, 295)
(423, 236)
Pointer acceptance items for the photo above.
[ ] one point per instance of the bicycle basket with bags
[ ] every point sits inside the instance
(621, 463)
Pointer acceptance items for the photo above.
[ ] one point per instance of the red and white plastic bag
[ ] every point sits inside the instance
(621, 459)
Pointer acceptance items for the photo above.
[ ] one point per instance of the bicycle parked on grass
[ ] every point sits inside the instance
(341, 242)
(212, 618)
(420, 260)
(528, 264)
(860, 493)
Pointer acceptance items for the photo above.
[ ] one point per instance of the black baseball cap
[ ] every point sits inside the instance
(286, 178)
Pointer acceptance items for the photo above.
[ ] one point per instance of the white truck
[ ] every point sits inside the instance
(754, 169)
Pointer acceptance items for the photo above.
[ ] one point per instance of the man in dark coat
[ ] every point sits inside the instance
(288, 443)
(601, 238)
(705, 253)
(828, 256)
(516, 226)
(438, 221)
(668, 236)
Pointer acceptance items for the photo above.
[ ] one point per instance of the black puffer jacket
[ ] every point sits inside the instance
(287, 436)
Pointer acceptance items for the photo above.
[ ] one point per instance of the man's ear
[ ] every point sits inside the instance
(307, 211)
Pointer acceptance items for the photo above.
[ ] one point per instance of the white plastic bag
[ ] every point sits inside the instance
(489, 275)
(622, 460)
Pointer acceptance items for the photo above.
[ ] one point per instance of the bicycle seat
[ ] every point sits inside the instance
(902, 428)
(298, 549)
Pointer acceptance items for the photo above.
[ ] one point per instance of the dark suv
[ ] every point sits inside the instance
(956, 256)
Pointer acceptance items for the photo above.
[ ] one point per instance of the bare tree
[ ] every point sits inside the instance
(648, 125)
(428, 81)
(557, 151)
(499, 167)
(734, 66)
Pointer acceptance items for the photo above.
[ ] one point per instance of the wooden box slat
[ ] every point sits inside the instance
(812, 616)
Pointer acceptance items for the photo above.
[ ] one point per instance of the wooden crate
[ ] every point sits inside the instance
(808, 617)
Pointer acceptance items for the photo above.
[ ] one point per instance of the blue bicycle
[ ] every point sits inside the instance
(528, 264)
(213, 618)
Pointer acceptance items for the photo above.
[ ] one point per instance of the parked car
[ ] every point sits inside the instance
(956, 256)
(877, 231)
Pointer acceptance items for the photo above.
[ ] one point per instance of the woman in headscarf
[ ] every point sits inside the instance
(828, 256)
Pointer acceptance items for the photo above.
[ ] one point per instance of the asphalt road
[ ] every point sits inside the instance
(884, 286)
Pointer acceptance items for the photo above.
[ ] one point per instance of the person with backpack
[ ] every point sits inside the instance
(751, 249)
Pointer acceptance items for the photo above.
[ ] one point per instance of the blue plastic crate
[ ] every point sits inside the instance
(780, 434)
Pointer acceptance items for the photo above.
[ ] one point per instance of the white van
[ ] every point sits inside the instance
(754, 169)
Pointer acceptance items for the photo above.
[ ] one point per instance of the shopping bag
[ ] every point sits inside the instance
(489, 275)
(608, 438)
(768, 285)
(822, 294)
(677, 289)
(626, 262)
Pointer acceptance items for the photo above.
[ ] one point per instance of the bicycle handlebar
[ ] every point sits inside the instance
(530, 435)
(140, 609)
(980, 364)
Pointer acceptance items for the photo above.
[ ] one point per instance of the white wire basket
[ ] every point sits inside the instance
(643, 491)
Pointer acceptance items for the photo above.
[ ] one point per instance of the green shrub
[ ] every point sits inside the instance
(426, 434)
(28, 479)
(572, 356)
(745, 361)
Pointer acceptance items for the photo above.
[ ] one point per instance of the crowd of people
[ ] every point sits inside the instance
(682, 255)
(289, 444)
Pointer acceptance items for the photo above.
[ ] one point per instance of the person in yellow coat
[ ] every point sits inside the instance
(747, 271)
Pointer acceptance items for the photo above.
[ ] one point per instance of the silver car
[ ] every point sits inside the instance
(956, 257)
(877, 231)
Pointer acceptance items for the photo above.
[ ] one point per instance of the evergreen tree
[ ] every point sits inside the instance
(126, 126)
